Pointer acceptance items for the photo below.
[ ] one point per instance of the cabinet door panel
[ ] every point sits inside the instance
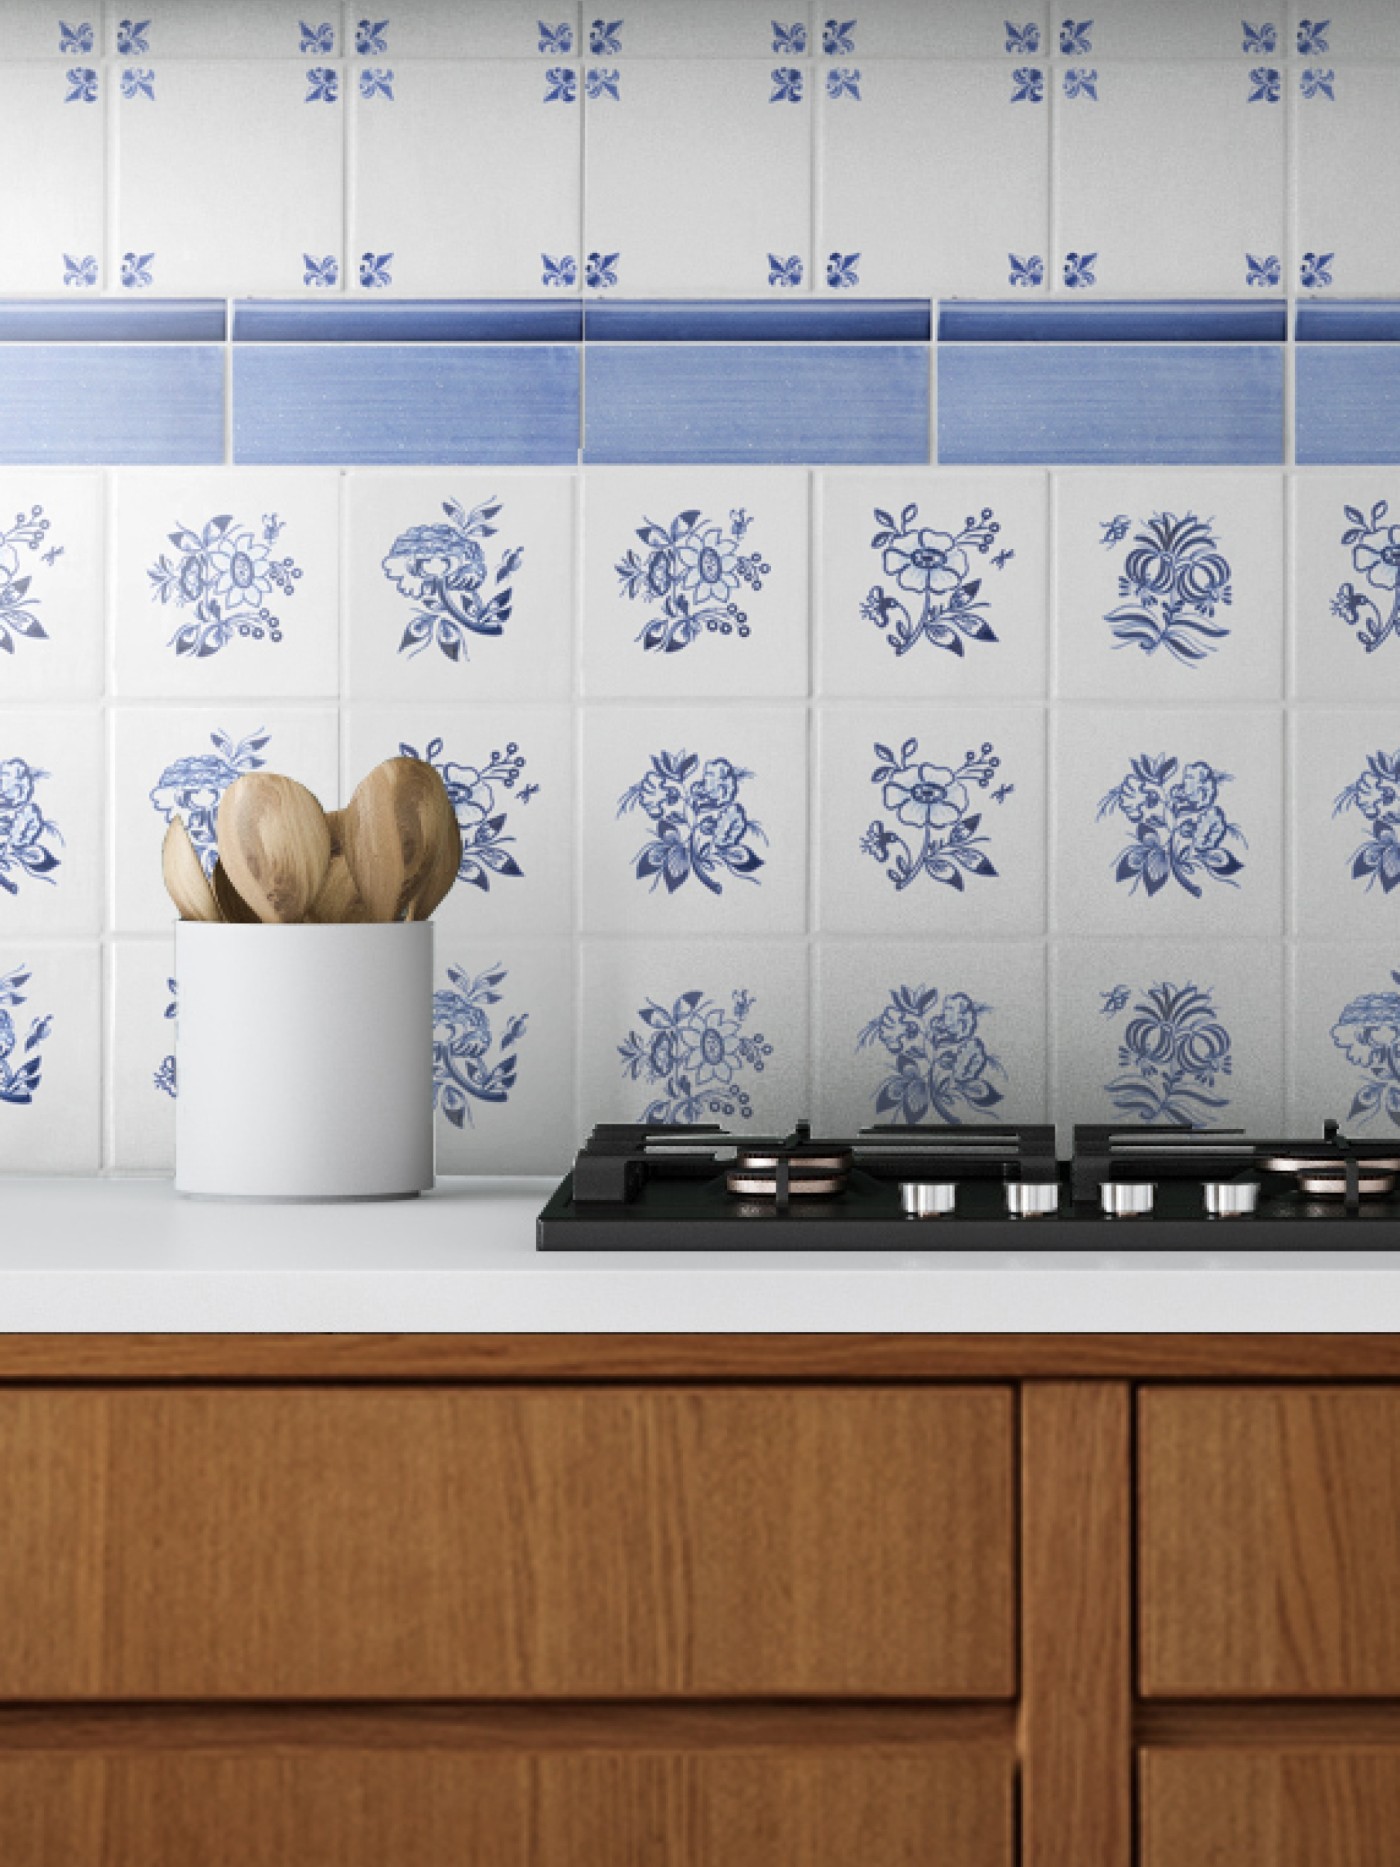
(422, 1543)
(1270, 1808)
(1270, 1541)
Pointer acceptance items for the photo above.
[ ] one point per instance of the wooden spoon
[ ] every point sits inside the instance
(275, 844)
(399, 830)
(231, 905)
(185, 880)
(339, 899)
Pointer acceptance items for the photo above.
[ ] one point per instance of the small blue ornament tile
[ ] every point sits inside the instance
(52, 148)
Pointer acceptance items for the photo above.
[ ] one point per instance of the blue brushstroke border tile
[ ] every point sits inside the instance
(1347, 405)
(1348, 321)
(111, 404)
(1115, 321)
(408, 321)
(745, 321)
(113, 321)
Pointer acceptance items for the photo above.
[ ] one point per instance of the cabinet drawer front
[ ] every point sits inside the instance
(360, 1543)
(1270, 1808)
(1270, 1541)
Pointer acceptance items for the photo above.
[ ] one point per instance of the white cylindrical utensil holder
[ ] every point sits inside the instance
(304, 1061)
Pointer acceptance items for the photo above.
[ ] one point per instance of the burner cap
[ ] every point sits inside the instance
(799, 1160)
(1329, 1163)
(1333, 1185)
(800, 1185)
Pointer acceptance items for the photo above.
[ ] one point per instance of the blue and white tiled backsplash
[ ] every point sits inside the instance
(889, 525)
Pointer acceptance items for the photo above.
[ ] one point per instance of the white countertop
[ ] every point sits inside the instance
(129, 1255)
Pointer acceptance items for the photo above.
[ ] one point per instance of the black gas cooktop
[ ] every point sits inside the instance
(659, 1188)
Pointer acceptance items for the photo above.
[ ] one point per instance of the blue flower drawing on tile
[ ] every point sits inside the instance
(1172, 1054)
(139, 81)
(26, 834)
(932, 596)
(192, 787)
(842, 270)
(784, 272)
(1029, 271)
(1315, 270)
(1028, 85)
(131, 37)
(1079, 270)
(604, 81)
(321, 272)
(1076, 37)
(444, 571)
(1375, 555)
(560, 84)
(843, 81)
(1368, 1034)
(838, 37)
(82, 85)
(935, 831)
(1264, 271)
(600, 271)
(1173, 583)
(227, 576)
(1376, 795)
(371, 36)
(696, 1052)
(322, 84)
(1081, 81)
(699, 825)
(556, 39)
(376, 81)
(791, 39)
(80, 270)
(319, 38)
(77, 38)
(604, 37)
(1022, 38)
(787, 85)
(1317, 82)
(476, 1057)
(1260, 38)
(1180, 832)
(690, 575)
(1312, 36)
(561, 271)
(21, 1061)
(136, 270)
(1265, 85)
(939, 1062)
(165, 1077)
(480, 795)
(19, 605)
(376, 270)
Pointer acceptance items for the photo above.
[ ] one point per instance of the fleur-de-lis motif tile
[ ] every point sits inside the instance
(55, 145)
(50, 1056)
(1335, 130)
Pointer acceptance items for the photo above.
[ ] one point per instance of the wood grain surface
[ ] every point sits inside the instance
(1271, 1808)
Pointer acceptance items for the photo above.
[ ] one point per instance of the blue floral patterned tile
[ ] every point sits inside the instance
(1344, 1038)
(694, 1031)
(1344, 778)
(949, 1034)
(227, 581)
(51, 844)
(1165, 133)
(1346, 585)
(695, 582)
(460, 586)
(1168, 822)
(652, 223)
(930, 819)
(142, 1077)
(694, 820)
(509, 771)
(52, 148)
(50, 1056)
(1337, 111)
(52, 585)
(457, 121)
(1169, 585)
(932, 583)
(178, 761)
(233, 132)
(1155, 1031)
(894, 218)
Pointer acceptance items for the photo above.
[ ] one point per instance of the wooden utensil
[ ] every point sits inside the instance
(399, 831)
(185, 880)
(231, 905)
(445, 858)
(339, 899)
(274, 844)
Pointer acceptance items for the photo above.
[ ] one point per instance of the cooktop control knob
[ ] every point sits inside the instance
(928, 1199)
(1127, 1199)
(1231, 1199)
(1032, 1199)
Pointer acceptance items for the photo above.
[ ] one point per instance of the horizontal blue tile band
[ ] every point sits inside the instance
(1061, 405)
(112, 321)
(408, 321)
(354, 405)
(1348, 321)
(1347, 405)
(1106, 321)
(746, 321)
(112, 404)
(784, 403)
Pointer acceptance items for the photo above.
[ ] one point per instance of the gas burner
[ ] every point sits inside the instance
(798, 1172)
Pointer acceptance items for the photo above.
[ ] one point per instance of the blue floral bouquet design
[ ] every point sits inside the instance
(1375, 555)
(227, 576)
(699, 826)
(192, 787)
(939, 834)
(1173, 1053)
(443, 569)
(697, 1050)
(1179, 830)
(936, 599)
(690, 574)
(1174, 580)
(941, 1064)
(21, 1065)
(1376, 794)
(19, 611)
(473, 788)
(1368, 1032)
(464, 1070)
(25, 832)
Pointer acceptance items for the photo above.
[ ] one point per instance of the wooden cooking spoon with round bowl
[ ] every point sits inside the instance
(402, 842)
(274, 845)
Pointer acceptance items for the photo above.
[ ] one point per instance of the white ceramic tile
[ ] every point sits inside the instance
(911, 1032)
(51, 585)
(50, 1058)
(50, 821)
(1344, 777)
(174, 760)
(1176, 29)
(450, 600)
(1347, 165)
(459, 123)
(651, 223)
(229, 175)
(1163, 1031)
(714, 29)
(227, 582)
(52, 151)
(1346, 585)
(1169, 585)
(708, 1031)
(901, 209)
(452, 29)
(141, 1072)
(205, 29)
(510, 771)
(1359, 29)
(1168, 822)
(930, 820)
(503, 1062)
(694, 820)
(917, 29)
(695, 582)
(30, 31)
(1344, 1038)
(1140, 151)
(932, 583)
